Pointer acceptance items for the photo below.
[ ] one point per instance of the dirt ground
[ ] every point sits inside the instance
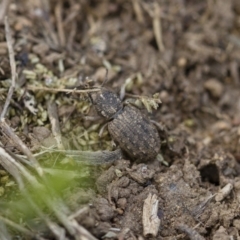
(188, 52)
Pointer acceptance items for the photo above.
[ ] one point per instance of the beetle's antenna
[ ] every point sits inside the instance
(106, 78)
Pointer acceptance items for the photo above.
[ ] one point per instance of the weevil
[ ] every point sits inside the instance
(128, 127)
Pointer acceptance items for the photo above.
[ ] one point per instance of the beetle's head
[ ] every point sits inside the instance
(106, 102)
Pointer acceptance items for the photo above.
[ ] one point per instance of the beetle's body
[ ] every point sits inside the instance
(135, 134)
(133, 131)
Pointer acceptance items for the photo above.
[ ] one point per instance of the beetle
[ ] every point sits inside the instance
(128, 127)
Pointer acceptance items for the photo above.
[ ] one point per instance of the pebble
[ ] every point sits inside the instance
(214, 87)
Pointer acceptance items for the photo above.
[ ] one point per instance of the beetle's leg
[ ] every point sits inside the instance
(163, 131)
(91, 118)
(101, 133)
(102, 129)
(159, 126)
(114, 145)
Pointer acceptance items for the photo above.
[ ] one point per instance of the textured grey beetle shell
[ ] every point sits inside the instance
(135, 134)
(128, 127)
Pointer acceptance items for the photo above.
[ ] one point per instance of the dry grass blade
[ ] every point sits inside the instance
(16, 226)
(154, 12)
(60, 210)
(54, 90)
(9, 133)
(3, 9)
(13, 67)
(138, 11)
(8, 163)
(58, 14)
(191, 233)
(53, 116)
(4, 235)
(157, 27)
(224, 192)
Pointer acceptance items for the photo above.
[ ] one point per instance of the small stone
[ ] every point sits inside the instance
(164, 96)
(236, 223)
(214, 87)
(182, 62)
(221, 126)
(122, 203)
(224, 192)
(118, 173)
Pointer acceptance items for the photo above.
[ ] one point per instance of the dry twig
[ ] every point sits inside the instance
(9, 133)
(191, 233)
(155, 13)
(224, 192)
(202, 206)
(13, 67)
(49, 33)
(138, 11)
(53, 116)
(157, 27)
(4, 235)
(79, 213)
(17, 227)
(54, 90)
(150, 219)
(3, 9)
(61, 33)
(7, 162)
